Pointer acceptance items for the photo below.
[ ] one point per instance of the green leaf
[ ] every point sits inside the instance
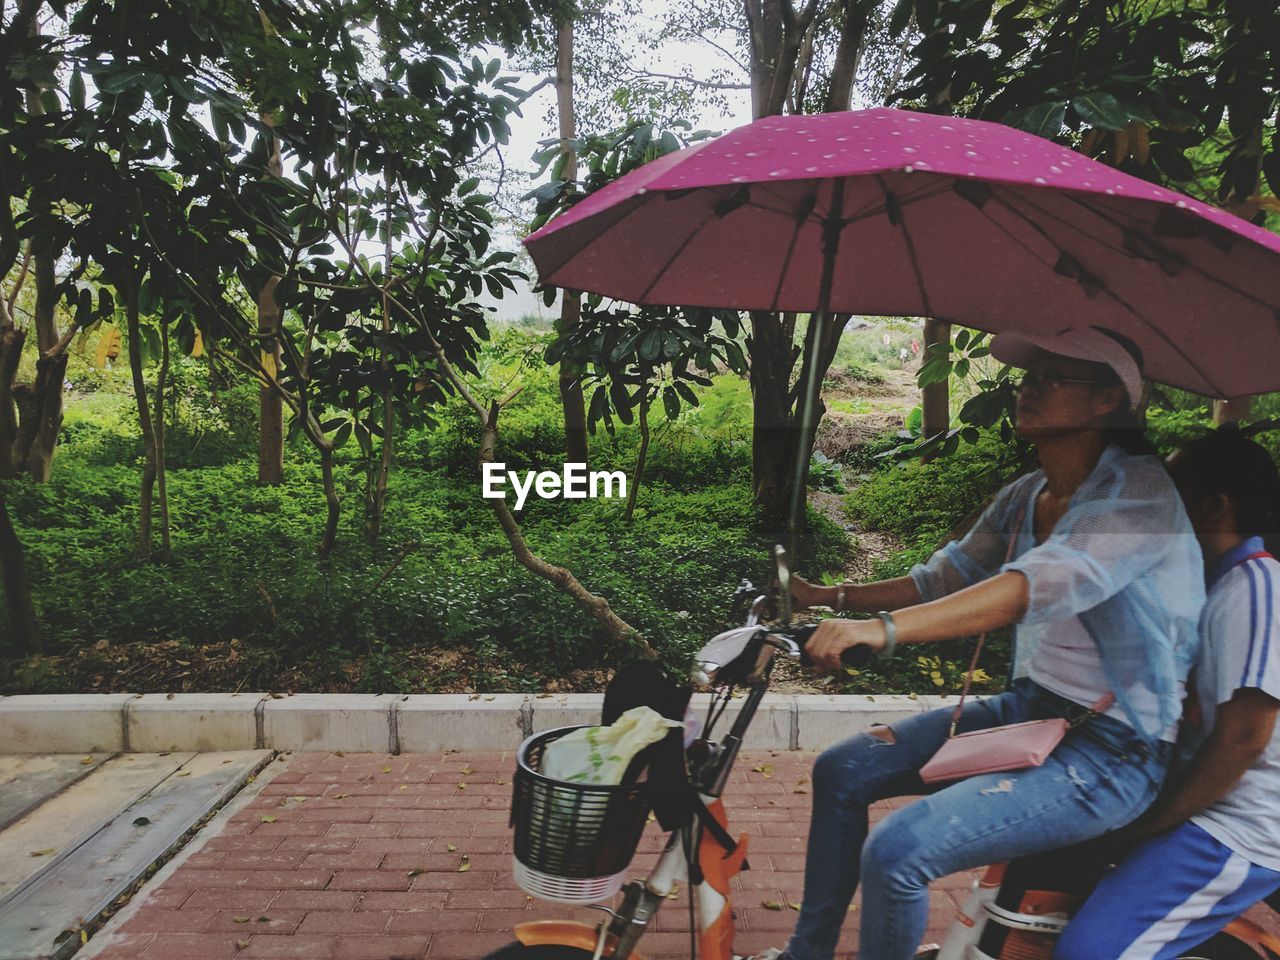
(1100, 109)
(1044, 119)
(901, 17)
(76, 90)
(670, 403)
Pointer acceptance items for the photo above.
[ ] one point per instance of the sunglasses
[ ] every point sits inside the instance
(1050, 380)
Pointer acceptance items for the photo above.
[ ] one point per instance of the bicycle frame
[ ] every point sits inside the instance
(710, 762)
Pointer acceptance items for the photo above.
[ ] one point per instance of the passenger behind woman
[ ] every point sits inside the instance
(1209, 847)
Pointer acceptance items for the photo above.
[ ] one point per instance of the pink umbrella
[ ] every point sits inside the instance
(926, 215)
(894, 213)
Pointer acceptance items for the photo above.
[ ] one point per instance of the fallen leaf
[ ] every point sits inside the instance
(298, 799)
(464, 867)
(87, 761)
(771, 905)
(84, 936)
(765, 768)
(340, 796)
(462, 786)
(338, 753)
(793, 904)
(241, 944)
(44, 853)
(264, 920)
(239, 919)
(452, 849)
(799, 790)
(417, 871)
(269, 819)
(467, 770)
(142, 822)
(386, 769)
(183, 773)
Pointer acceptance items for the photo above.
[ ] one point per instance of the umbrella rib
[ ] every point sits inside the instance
(786, 262)
(1103, 288)
(675, 254)
(911, 248)
(1187, 263)
(566, 261)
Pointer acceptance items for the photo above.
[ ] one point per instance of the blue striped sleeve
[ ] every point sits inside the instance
(1268, 618)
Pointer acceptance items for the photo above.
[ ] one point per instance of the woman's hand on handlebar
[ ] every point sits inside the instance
(834, 637)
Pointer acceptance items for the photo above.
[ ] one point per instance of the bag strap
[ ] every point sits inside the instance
(977, 649)
(1103, 703)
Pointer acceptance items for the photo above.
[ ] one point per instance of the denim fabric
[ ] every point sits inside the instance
(1099, 778)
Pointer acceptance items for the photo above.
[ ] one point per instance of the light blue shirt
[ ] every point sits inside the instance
(1123, 558)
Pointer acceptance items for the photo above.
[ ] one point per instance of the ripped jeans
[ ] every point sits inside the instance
(1101, 776)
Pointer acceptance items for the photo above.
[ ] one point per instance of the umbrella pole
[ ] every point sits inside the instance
(832, 225)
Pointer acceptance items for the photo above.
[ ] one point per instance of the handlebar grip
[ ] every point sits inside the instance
(855, 657)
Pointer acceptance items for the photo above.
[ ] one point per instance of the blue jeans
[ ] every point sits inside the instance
(1101, 776)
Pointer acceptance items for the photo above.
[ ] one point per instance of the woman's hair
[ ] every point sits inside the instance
(1226, 463)
(1126, 427)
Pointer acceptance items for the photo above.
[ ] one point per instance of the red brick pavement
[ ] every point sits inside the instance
(366, 856)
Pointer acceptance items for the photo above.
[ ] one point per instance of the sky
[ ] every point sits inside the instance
(538, 123)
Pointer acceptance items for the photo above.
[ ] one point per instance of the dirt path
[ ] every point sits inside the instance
(876, 409)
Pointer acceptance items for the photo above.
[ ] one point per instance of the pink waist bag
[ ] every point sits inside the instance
(1015, 747)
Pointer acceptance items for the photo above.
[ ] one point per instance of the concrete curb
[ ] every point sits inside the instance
(388, 723)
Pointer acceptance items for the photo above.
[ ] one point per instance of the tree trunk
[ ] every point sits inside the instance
(640, 458)
(332, 501)
(270, 403)
(773, 429)
(571, 398)
(777, 38)
(376, 489)
(40, 404)
(147, 487)
(936, 397)
(853, 32)
(1231, 411)
(24, 633)
(162, 485)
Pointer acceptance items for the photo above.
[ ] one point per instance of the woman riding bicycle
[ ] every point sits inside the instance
(1105, 585)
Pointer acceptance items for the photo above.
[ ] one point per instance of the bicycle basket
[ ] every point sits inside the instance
(573, 841)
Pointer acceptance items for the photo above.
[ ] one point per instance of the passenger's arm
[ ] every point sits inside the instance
(1242, 730)
(994, 603)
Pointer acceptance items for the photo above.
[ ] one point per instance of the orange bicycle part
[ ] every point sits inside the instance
(565, 933)
(1255, 936)
(718, 868)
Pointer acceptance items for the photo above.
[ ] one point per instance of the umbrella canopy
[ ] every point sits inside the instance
(914, 214)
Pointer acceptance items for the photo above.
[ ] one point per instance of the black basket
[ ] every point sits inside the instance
(573, 830)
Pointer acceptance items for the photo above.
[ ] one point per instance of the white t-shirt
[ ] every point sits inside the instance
(1241, 629)
(1063, 658)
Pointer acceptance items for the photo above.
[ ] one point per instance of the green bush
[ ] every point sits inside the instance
(245, 569)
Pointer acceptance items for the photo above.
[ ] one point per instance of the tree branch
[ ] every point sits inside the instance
(693, 81)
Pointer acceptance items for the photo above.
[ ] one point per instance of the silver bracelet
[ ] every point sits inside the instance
(890, 633)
